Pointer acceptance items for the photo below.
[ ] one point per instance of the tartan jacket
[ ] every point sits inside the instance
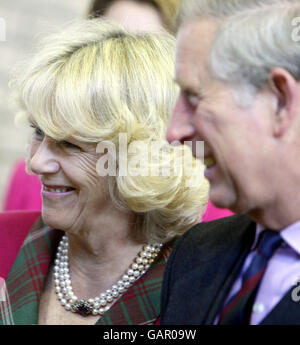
(140, 305)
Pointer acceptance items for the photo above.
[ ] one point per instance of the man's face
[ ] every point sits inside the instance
(237, 140)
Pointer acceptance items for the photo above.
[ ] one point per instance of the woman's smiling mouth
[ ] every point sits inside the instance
(56, 190)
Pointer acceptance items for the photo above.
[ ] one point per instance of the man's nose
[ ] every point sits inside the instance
(180, 127)
(44, 160)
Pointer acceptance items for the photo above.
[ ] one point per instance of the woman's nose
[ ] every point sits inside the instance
(43, 159)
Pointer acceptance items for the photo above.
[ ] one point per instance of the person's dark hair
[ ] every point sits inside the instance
(99, 7)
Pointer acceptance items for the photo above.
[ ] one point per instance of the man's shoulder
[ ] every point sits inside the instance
(200, 262)
(212, 235)
(218, 228)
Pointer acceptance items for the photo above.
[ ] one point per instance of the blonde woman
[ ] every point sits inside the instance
(97, 98)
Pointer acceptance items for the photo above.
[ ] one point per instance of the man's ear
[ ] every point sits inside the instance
(287, 92)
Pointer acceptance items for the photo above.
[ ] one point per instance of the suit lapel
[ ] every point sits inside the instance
(201, 270)
(286, 312)
(233, 257)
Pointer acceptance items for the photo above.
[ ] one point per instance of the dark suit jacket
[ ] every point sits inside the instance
(202, 269)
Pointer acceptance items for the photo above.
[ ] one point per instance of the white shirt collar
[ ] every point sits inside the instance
(290, 235)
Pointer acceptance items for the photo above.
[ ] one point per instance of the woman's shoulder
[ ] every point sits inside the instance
(14, 227)
(14, 217)
(16, 224)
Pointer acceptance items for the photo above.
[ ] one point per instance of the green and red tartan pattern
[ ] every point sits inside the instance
(26, 278)
(139, 305)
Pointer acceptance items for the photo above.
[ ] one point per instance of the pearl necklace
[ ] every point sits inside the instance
(102, 303)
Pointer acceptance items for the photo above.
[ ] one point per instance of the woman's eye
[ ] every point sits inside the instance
(37, 131)
(67, 144)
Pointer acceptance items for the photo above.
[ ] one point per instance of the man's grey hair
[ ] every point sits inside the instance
(254, 37)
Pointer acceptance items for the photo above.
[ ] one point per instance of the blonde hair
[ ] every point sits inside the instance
(95, 80)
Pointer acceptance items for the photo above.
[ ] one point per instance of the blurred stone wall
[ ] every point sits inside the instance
(21, 22)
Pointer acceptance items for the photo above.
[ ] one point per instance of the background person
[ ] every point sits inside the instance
(98, 253)
(238, 69)
(145, 15)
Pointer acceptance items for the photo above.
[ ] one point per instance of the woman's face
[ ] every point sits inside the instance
(72, 190)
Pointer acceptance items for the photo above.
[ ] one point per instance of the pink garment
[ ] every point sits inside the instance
(24, 193)
(212, 212)
(14, 227)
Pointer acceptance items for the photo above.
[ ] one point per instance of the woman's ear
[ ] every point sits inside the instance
(286, 90)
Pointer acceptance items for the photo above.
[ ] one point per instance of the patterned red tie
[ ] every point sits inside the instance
(237, 310)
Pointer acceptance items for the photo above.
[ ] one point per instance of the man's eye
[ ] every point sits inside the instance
(193, 100)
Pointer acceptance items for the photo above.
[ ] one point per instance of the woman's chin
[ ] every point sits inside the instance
(53, 220)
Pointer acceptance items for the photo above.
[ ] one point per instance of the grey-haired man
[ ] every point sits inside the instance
(238, 68)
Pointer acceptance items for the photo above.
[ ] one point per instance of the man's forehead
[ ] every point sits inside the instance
(194, 42)
(201, 30)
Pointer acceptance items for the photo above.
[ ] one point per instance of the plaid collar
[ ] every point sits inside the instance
(25, 283)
